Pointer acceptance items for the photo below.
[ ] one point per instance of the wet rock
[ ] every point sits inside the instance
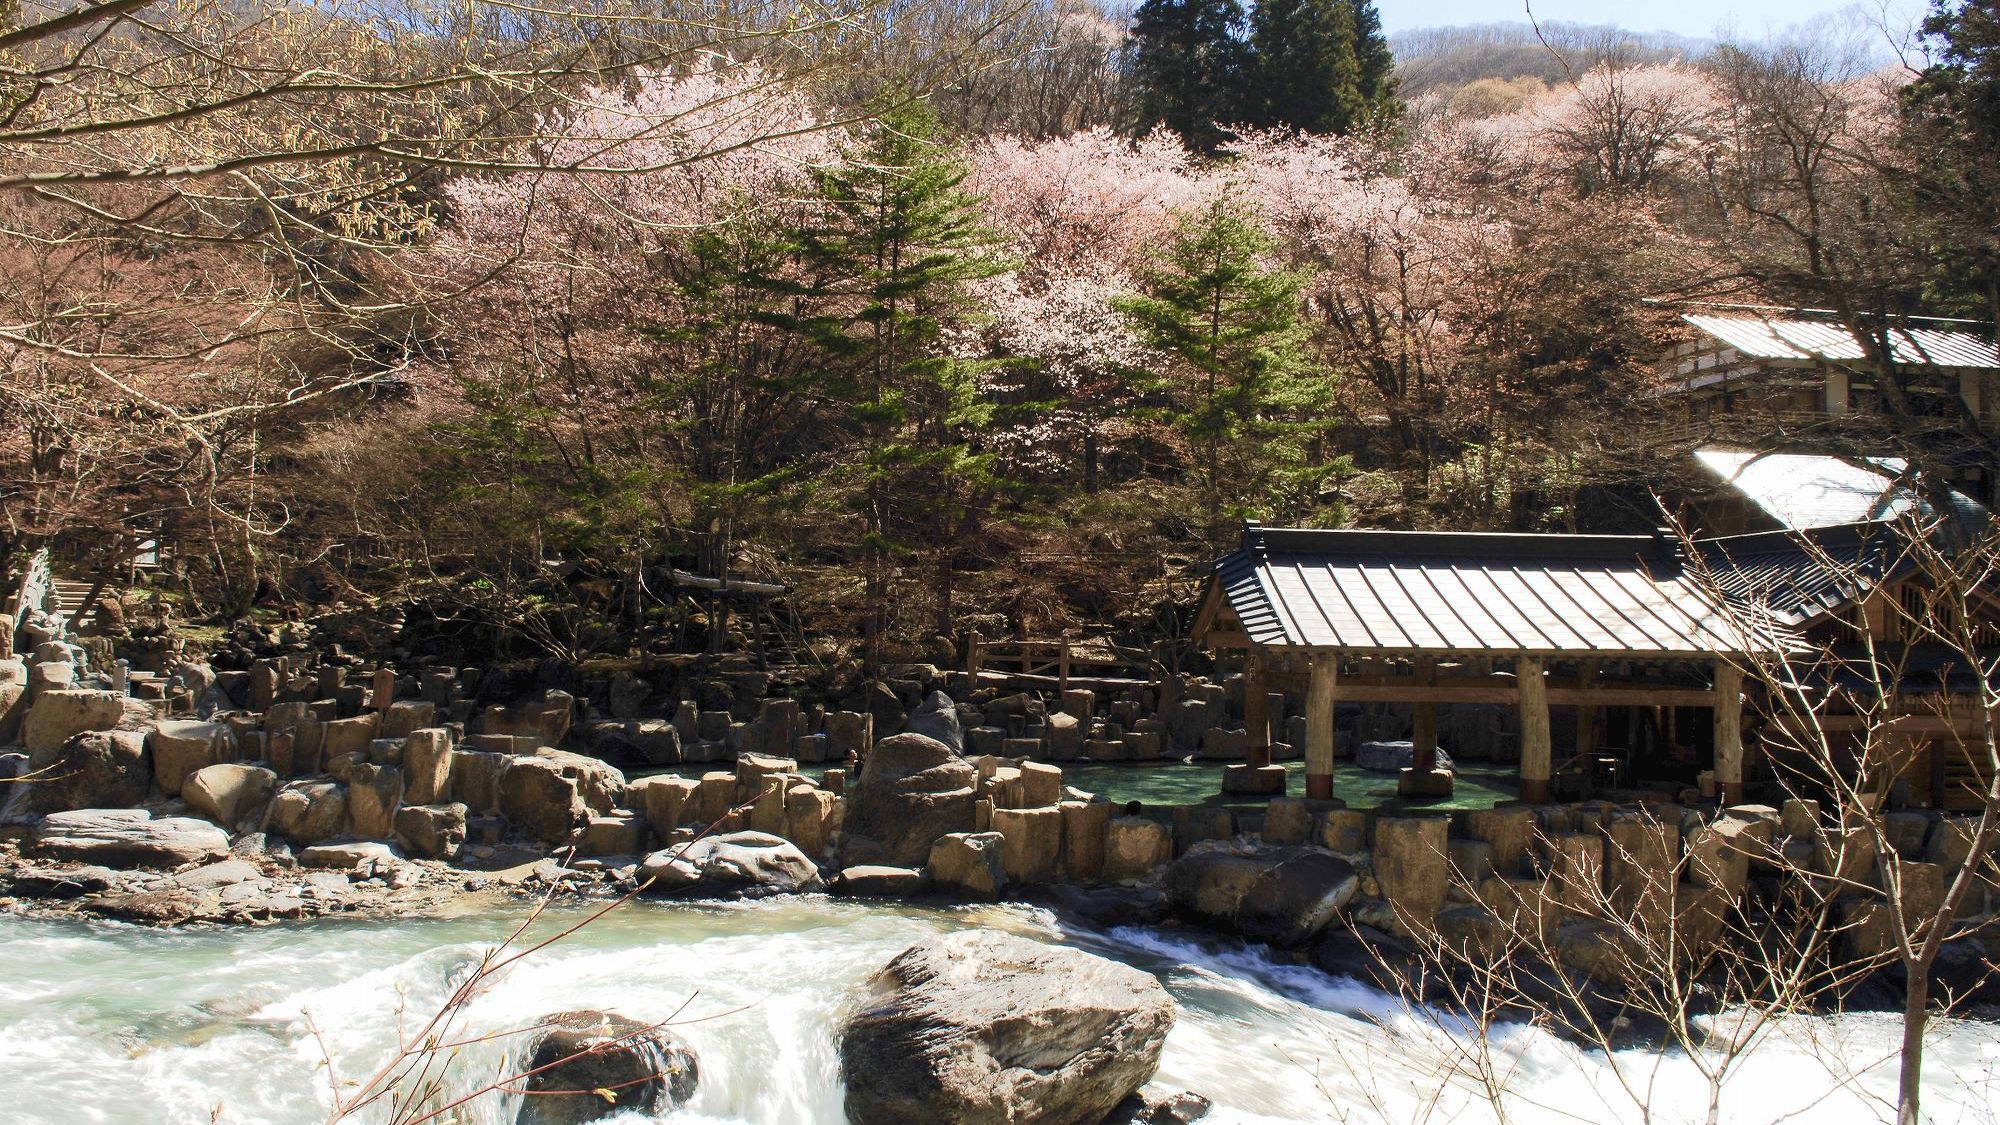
(586, 1066)
(128, 838)
(1160, 1109)
(1107, 906)
(93, 770)
(62, 882)
(1298, 896)
(1394, 757)
(912, 790)
(881, 882)
(985, 1027)
(733, 865)
(229, 793)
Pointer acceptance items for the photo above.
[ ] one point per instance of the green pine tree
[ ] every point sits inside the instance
(1187, 68)
(1240, 386)
(1318, 66)
(892, 260)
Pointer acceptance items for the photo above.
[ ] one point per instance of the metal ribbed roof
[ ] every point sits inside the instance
(1431, 592)
(1795, 576)
(1765, 337)
(1801, 491)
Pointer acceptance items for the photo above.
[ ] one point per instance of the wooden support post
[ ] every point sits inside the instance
(1535, 757)
(1424, 723)
(974, 656)
(1062, 667)
(1256, 711)
(1729, 732)
(385, 688)
(1586, 715)
(1321, 697)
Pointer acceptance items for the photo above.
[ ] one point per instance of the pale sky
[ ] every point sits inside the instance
(1746, 19)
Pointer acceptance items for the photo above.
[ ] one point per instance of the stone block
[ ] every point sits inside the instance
(1062, 738)
(427, 754)
(666, 802)
(1031, 851)
(1342, 830)
(1135, 847)
(475, 779)
(230, 793)
(538, 798)
(810, 816)
(1085, 825)
(1223, 744)
(715, 797)
(180, 747)
(1195, 823)
(1253, 781)
(374, 793)
(1510, 829)
(1041, 785)
(1411, 857)
(1799, 818)
(968, 864)
(349, 736)
(58, 715)
(616, 833)
(432, 831)
(406, 715)
(1287, 821)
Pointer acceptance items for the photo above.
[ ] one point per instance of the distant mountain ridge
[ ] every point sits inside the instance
(1438, 60)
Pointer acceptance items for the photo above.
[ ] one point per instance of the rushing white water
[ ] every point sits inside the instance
(110, 1023)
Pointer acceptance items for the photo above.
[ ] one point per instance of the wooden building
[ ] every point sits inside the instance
(1632, 632)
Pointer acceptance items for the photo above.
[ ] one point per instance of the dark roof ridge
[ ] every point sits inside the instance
(1258, 540)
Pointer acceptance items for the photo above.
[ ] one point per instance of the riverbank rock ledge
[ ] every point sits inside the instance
(734, 865)
(983, 1028)
(587, 1066)
(128, 838)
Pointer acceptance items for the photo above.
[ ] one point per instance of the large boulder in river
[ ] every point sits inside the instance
(912, 790)
(93, 770)
(732, 865)
(1284, 896)
(585, 1066)
(985, 1028)
(128, 838)
(938, 718)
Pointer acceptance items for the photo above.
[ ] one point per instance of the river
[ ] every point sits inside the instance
(110, 1023)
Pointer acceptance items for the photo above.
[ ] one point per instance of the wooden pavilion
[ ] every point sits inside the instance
(1430, 618)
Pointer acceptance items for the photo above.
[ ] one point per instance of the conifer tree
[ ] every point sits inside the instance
(1188, 68)
(1240, 387)
(1318, 66)
(899, 242)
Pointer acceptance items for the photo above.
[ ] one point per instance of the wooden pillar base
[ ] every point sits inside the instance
(1535, 790)
(1731, 793)
(1319, 786)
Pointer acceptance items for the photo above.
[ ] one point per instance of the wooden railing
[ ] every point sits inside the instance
(1055, 661)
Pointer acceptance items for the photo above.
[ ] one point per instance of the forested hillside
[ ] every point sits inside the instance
(949, 316)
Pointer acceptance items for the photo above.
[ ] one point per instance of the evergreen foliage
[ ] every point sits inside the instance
(1238, 382)
(1188, 64)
